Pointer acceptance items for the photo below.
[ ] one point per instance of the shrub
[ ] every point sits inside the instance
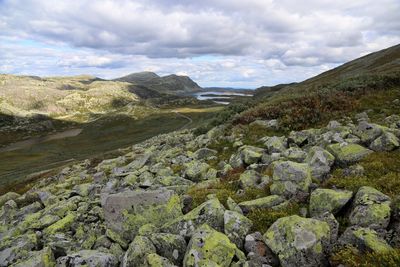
(351, 257)
(311, 107)
(263, 218)
(382, 171)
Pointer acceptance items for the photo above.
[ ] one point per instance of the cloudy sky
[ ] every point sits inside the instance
(216, 42)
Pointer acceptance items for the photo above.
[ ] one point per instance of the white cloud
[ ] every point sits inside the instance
(249, 40)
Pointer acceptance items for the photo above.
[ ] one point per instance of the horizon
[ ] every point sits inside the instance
(215, 43)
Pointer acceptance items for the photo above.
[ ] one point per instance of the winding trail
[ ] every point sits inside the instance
(190, 121)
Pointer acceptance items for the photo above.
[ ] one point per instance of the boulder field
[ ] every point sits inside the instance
(139, 209)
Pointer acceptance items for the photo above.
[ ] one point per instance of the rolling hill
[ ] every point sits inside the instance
(170, 84)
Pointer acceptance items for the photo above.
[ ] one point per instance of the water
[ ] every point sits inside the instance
(218, 95)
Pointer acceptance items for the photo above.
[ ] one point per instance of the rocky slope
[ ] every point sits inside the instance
(216, 200)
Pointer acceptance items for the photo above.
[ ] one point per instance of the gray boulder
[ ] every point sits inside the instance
(210, 212)
(204, 153)
(371, 209)
(125, 212)
(348, 154)
(196, 170)
(250, 154)
(328, 200)
(236, 227)
(289, 178)
(367, 132)
(320, 162)
(299, 241)
(90, 258)
(208, 247)
(276, 144)
(170, 246)
(365, 239)
(136, 254)
(386, 142)
(258, 253)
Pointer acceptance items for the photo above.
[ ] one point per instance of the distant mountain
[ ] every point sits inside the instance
(170, 84)
(139, 77)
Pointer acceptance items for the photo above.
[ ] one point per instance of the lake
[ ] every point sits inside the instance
(220, 97)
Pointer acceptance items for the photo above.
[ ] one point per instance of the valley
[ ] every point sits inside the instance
(154, 176)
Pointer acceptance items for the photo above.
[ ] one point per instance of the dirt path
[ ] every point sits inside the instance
(190, 121)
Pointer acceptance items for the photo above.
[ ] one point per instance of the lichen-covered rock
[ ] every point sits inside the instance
(320, 162)
(210, 212)
(295, 154)
(371, 209)
(250, 154)
(8, 196)
(136, 254)
(365, 239)
(155, 260)
(236, 160)
(116, 237)
(251, 178)
(302, 138)
(233, 206)
(125, 212)
(236, 227)
(333, 224)
(258, 253)
(17, 248)
(62, 225)
(347, 154)
(261, 203)
(139, 161)
(213, 247)
(196, 170)
(328, 200)
(204, 153)
(367, 132)
(386, 142)
(299, 241)
(170, 246)
(42, 258)
(276, 144)
(289, 178)
(90, 258)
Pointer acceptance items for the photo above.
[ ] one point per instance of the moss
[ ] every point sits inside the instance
(263, 218)
(225, 189)
(351, 257)
(382, 171)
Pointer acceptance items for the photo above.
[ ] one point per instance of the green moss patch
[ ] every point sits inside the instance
(382, 171)
(351, 257)
(263, 218)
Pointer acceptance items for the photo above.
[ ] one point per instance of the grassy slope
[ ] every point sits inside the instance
(372, 81)
(96, 140)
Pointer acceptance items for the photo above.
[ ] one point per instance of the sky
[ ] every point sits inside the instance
(231, 43)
